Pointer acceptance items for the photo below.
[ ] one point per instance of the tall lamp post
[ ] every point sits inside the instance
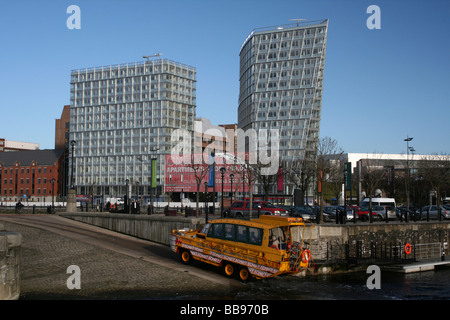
(222, 171)
(53, 194)
(152, 177)
(231, 191)
(408, 139)
(127, 206)
(72, 143)
(206, 201)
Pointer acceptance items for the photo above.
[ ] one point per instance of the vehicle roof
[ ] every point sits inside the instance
(265, 221)
(380, 199)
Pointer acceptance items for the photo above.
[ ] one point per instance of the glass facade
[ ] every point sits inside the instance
(123, 115)
(281, 83)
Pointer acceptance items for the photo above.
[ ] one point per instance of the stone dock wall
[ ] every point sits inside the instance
(10, 250)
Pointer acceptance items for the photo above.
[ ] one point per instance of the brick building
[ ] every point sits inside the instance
(28, 175)
(62, 127)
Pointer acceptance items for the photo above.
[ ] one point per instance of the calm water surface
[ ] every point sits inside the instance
(429, 285)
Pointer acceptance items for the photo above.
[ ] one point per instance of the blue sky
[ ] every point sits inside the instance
(380, 85)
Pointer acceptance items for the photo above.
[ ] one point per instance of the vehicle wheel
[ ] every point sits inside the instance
(186, 257)
(239, 215)
(229, 269)
(244, 274)
(364, 218)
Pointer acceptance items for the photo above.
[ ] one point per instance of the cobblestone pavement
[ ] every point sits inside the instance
(105, 274)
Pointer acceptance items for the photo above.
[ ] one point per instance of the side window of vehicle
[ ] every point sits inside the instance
(237, 205)
(255, 236)
(241, 233)
(247, 205)
(230, 232)
(216, 231)
(205, 229)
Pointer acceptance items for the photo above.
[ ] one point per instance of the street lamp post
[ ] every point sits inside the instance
(127, 206)
(72, 143)
(206, 201)
(53, 194)
(222, 171)
(408, 139)
(231, 191)
(152, 177)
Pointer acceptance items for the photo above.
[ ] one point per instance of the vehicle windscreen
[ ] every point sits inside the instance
(277, 238)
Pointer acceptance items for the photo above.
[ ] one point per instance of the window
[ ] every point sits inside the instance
(237, 205)
(216, 231)
(230, 232)
(241, 233)
(255, 236)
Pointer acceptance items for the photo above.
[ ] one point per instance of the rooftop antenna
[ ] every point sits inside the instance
(155, 55)
(298, 20)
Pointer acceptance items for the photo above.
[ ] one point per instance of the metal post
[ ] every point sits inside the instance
(206, 202)
(387, 218)
(222, 171)
(72, 143)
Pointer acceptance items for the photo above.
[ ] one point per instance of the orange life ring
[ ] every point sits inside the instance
(306, 255)
(407, 248)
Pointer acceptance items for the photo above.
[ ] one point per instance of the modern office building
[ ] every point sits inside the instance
(281, 84)
(122, 116)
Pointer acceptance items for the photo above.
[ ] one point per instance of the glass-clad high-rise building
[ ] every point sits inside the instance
(122, 116)
(281, 84)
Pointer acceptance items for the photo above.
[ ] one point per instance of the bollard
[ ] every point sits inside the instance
(354, 215)
(337, 216)
(34, 208)
(387, 218)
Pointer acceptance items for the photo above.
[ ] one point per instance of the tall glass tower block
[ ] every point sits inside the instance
(122, 116)
(281, 84)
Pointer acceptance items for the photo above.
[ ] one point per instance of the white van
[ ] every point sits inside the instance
(382, 202)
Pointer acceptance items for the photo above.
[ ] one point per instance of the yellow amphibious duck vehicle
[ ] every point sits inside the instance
(260, 248)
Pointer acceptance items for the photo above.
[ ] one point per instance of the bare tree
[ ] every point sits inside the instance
(329, 155)
(300, 173)
(435, 172)
(200, 172)
(372, 176)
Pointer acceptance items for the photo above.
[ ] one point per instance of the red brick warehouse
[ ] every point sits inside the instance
(28, 175)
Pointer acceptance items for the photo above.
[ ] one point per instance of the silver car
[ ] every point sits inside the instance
(445, 212)
(381, 212)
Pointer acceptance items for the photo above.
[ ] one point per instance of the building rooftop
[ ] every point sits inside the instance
(25, 158)
(133, 64)
(297, 25)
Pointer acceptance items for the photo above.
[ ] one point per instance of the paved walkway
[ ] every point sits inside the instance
(105, 274)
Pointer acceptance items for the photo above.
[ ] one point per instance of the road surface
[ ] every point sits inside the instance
(112, 265)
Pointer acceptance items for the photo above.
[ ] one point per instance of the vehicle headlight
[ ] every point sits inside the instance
(276, 211)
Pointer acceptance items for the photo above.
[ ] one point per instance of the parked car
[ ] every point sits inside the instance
(241, 209)
(445, 212)
(363, 213)
(300, 213)
(413, 211)
(381, 212)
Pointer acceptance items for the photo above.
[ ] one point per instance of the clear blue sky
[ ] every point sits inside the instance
(379, 87)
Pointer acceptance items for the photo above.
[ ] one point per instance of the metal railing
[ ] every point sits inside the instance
(378, 252)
